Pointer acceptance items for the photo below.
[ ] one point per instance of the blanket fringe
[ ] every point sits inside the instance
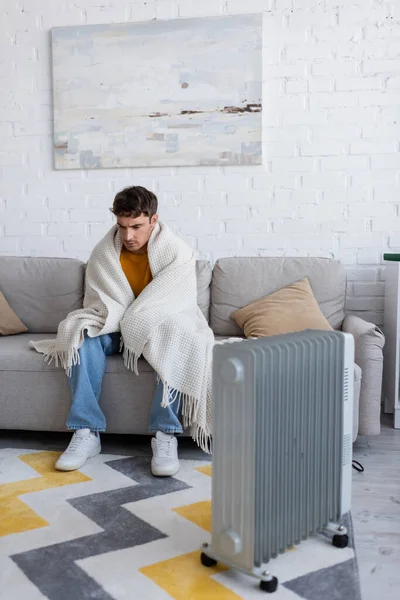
(131, 360)
(190, 407)
(61, 358)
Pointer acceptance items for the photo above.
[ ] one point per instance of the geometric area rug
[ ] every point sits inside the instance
(111, 531)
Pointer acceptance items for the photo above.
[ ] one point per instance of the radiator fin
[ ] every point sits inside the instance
(298, 453)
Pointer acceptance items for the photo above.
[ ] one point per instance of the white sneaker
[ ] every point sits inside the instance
(165, 460)
(84, 445)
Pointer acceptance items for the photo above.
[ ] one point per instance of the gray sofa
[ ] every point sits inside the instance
(42, 291)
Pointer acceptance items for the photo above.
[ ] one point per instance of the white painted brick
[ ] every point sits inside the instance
(377, 178)
(23, 228)
(361, 14)
(385, 224)
(369, 257)
(187, 8)
(43, 246)
(279, 149)
(284, 70)
(303, 117)
(249, 226)
(6, 130)
(290, 226)
(202, 227)
(88, 187)
(77, 247)
(373, 147)
(336, 132)
(352, 115)
(388, 115)
(393, 83)
(167, 9)
(285, 134)
(378, 98)
(66, 229)
(321, 212)
(301, 196)
(319, 181)
(363, 240)
(298, 164)
(259, 241)
(358, 83)
(278, 181)
(341, 68)
(296, 86)
(238, 6)
(344, 163)
(312, 241)
(8, 245)
(220, 243)
(361, 274)
(181, 213)
(369, 289)
(89, 215)
(224, 212)
(274, 208)
(376, 67)
(327, 148)
(307, 18)
(384, 195)
(309, 51)
(110, 14)
(98, 231)
(360, 304)
(320, 84)
(188, 183)
(230, 183)
(336, 34)
(372, 209)
(28, 128)
(386, 161)
(66, 200)
(44, 215)
(248, 198)
(201, 199)
(8, 159)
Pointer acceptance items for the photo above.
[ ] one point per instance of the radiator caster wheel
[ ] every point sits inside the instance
(269, 586)
(340, 541)
(206, 561)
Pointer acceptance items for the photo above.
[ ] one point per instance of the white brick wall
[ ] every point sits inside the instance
(329, 185)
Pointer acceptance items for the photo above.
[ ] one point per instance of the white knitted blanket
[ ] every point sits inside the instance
(164, 323)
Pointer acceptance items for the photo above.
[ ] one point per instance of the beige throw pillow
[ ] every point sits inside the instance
(292, 308)
(9, 322)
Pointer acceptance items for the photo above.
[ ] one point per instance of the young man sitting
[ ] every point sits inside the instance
(141, 298)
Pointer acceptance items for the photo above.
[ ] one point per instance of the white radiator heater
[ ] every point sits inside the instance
(282, 446)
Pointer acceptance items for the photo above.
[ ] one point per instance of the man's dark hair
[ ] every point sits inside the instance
(134, 201)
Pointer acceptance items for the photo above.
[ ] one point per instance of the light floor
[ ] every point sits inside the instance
(376, 496)
(376, 513)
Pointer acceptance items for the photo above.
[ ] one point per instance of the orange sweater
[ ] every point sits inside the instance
(137, 270)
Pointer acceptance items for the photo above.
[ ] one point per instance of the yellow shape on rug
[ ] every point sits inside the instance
(198, 513)
(16, 516)
(185, 578)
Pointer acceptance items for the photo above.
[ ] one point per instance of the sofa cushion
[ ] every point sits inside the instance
(237, 282)
(10, 324)
(42, 291)
(292, 308)
(17, 355)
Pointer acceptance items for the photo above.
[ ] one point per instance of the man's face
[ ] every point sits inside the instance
(136, 231)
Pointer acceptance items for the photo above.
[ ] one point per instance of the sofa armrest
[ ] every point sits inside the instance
(368, 341)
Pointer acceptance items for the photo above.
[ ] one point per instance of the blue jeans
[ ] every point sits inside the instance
(85, 385)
